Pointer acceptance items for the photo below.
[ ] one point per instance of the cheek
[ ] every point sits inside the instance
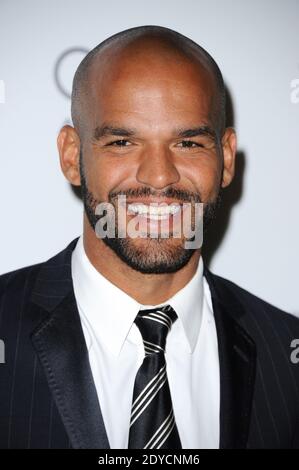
(205, 176)
(108, 174)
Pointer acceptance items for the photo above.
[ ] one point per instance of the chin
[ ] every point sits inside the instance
(151, 256)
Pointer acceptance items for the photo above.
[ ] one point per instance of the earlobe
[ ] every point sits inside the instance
(229, 148)
(68, 144)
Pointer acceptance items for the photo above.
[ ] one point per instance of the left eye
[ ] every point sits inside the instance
(190, 144)
(119, 143)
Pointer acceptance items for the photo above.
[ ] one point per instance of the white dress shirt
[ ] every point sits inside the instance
(116, 352)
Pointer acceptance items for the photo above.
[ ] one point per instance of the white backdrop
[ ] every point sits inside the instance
(255, 44)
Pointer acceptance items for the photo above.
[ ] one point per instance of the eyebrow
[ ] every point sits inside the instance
(102, 131)
(106, 130)
(197, 131)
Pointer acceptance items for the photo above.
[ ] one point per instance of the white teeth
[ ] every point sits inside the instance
(154, 212)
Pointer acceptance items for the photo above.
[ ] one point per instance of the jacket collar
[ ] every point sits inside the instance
(60, 345)
(237, 359)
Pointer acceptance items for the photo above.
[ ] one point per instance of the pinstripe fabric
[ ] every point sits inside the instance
(47, 394)
(274, 420)
(26, 420)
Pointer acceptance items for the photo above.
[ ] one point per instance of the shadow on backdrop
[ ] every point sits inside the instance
(230, 196)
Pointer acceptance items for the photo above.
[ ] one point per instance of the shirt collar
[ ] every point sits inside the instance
(104, 306)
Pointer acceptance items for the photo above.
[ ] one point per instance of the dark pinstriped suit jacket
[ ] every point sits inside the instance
(47, 394)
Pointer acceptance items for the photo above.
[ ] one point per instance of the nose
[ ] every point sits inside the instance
(156, 168)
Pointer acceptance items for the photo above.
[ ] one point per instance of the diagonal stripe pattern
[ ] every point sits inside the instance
(152, 424)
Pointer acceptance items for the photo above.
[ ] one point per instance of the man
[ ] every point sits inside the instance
(129, 341)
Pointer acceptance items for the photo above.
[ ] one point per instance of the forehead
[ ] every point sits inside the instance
(149, 88)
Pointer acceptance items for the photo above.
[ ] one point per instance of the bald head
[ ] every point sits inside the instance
(143, 49)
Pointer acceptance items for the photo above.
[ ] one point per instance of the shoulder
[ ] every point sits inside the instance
(258, 314)
(23, 279)
(14, 282)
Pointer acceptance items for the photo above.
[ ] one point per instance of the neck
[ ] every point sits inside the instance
(146, 289)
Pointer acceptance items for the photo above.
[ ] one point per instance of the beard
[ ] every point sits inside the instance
(150, 255)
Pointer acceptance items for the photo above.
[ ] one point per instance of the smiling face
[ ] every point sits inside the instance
(150, 132)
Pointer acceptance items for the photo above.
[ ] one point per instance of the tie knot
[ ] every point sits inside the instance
(154, 324)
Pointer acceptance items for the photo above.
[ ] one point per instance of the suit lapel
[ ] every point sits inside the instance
(60, 345)
(237, 358)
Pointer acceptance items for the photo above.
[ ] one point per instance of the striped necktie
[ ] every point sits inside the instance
(152, 423)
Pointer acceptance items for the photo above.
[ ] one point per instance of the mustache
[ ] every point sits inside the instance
(171, 192)
(178, 194)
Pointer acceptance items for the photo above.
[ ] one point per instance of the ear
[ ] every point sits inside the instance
(68, 143)
(229, 147)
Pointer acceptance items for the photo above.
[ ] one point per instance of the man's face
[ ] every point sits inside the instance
(150, 136)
